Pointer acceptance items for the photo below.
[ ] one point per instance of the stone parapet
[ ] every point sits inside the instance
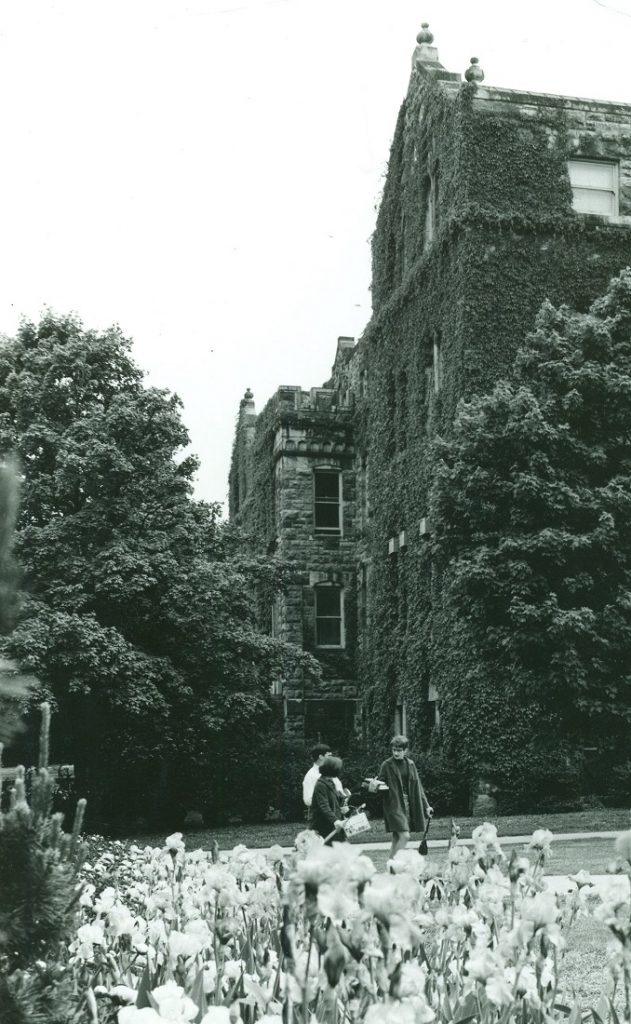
(517, 97)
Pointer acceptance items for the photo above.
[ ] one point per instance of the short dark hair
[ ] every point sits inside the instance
(399, 741)
(319, 750)
(331, 766)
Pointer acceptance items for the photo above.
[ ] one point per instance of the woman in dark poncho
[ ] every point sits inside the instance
(326, 814)
(405, 806)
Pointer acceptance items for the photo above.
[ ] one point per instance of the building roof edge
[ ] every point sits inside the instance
(500, 93)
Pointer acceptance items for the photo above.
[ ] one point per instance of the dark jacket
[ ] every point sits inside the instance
(326, 807)
(394, 815)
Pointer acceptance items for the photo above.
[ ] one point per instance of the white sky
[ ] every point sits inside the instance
(205, 172)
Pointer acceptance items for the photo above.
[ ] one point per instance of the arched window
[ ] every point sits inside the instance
(327, 501)
(329, 616)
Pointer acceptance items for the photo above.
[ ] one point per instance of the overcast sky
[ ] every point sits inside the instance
(205, 172)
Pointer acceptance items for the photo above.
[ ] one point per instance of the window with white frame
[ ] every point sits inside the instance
(329, 616)
(327, 505)
(594, 186)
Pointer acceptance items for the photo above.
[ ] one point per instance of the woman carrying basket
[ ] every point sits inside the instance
(405, 807)
(326, 814)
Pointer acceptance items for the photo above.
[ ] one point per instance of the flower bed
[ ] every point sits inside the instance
(167, 935)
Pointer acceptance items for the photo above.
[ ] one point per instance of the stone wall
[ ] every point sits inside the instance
(307, 430)
(594, 129)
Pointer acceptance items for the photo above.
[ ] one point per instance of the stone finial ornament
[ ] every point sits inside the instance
(248, 395)
(475, 72)
(425, 36)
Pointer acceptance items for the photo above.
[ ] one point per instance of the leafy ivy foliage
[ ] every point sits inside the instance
(138, 608)
(531, 506)
(505, 238)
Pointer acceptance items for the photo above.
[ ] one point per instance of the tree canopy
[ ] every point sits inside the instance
(532, 516)
(137, 611)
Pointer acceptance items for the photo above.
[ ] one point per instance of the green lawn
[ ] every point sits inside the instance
(584, 966)
(604, 819)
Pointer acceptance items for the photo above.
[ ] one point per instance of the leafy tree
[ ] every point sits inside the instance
(137, 612)
(532, 515)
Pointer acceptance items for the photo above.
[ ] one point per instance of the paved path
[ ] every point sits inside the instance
(438, 844)
(555, 883)
(618, 884)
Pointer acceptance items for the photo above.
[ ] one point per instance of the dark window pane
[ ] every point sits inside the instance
(327, 485)
(328, 633)
(328, 601)
(330, 718)
(287, 395)
(327, 517)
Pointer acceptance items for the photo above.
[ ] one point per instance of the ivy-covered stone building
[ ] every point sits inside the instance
(292, 487)
(494, 201)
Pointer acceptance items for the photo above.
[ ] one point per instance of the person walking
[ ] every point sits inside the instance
(318, 754)
(405, 806)
(326, 814)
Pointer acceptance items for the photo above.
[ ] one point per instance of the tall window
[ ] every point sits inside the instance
(327, 501)
(437, 363)
(431, 209)
(594, 186)
(433, 707)
(363, 598)
(329, 616)
(364, 503)
(401, 718)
